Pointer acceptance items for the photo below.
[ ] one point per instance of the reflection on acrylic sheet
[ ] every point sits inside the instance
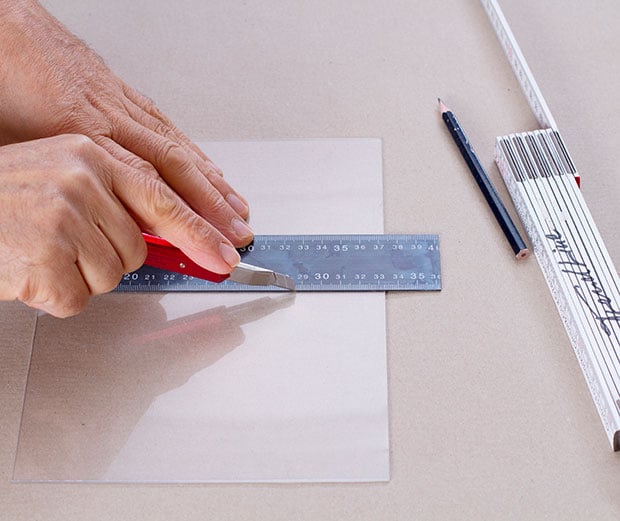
(148, 395)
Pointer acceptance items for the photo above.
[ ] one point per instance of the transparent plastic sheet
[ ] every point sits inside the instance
(213, 387)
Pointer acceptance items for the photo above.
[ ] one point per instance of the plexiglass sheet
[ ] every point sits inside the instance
(213, 387)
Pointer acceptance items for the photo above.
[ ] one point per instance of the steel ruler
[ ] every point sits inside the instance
(540, 176)
(320, 263)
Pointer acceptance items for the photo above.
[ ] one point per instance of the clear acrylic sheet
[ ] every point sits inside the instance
(213, 387)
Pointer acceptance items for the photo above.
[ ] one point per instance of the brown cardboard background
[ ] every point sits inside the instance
(490, 416)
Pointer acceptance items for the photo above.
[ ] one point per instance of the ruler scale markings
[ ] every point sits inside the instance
(564, 152)
(593, 382)
(601, 272)
(583, 229)
(543, 182)
(321, 263)
(586, 222)
(579, 257)
(558, 216)
(528, 189)
(564, 210)
(577, 210)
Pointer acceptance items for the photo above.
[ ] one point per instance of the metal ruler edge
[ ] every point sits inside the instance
(322, 262)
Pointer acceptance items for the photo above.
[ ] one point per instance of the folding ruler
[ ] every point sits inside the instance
(543, 183)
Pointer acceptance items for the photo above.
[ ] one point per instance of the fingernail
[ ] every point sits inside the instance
(242, 230)
(229, 254)
(237, 204)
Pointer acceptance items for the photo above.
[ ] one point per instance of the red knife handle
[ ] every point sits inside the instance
(161, 254)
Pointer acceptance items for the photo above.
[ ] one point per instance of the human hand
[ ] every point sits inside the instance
(70, 221)
(51, 83)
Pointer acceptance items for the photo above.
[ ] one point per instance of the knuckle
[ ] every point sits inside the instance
(214, 175)
(78, 179)
(164, 128)
(162, 203)
(198, 235)
(213, 168)
(199, 230)
(172, 156)
(109, 276)
(157, 113)
(28, 292)
(219, 212)
(201, 240)
(145, 101)
(60, 302)
(79, 143)
(107, 285)
(137, 256)
(72, 185)
(151, 108)
(140, 164)
(167, 149)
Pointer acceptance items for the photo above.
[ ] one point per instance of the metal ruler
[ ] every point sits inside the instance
(540, 176)
(320, 263)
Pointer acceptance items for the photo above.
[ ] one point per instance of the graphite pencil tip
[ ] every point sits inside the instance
(442, 106)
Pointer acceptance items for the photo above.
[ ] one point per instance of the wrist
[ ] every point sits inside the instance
(34, 51)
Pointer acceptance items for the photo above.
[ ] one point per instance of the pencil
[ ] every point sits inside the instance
(487, 188)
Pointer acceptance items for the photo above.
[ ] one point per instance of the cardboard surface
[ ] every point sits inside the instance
(490, 417)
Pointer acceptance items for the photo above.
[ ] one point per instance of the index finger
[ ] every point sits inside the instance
(207, 193)
(160, 210)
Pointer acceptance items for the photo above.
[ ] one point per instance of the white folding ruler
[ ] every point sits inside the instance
(543, 183)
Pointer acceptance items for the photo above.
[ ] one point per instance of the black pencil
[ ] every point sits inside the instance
(487, 188)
